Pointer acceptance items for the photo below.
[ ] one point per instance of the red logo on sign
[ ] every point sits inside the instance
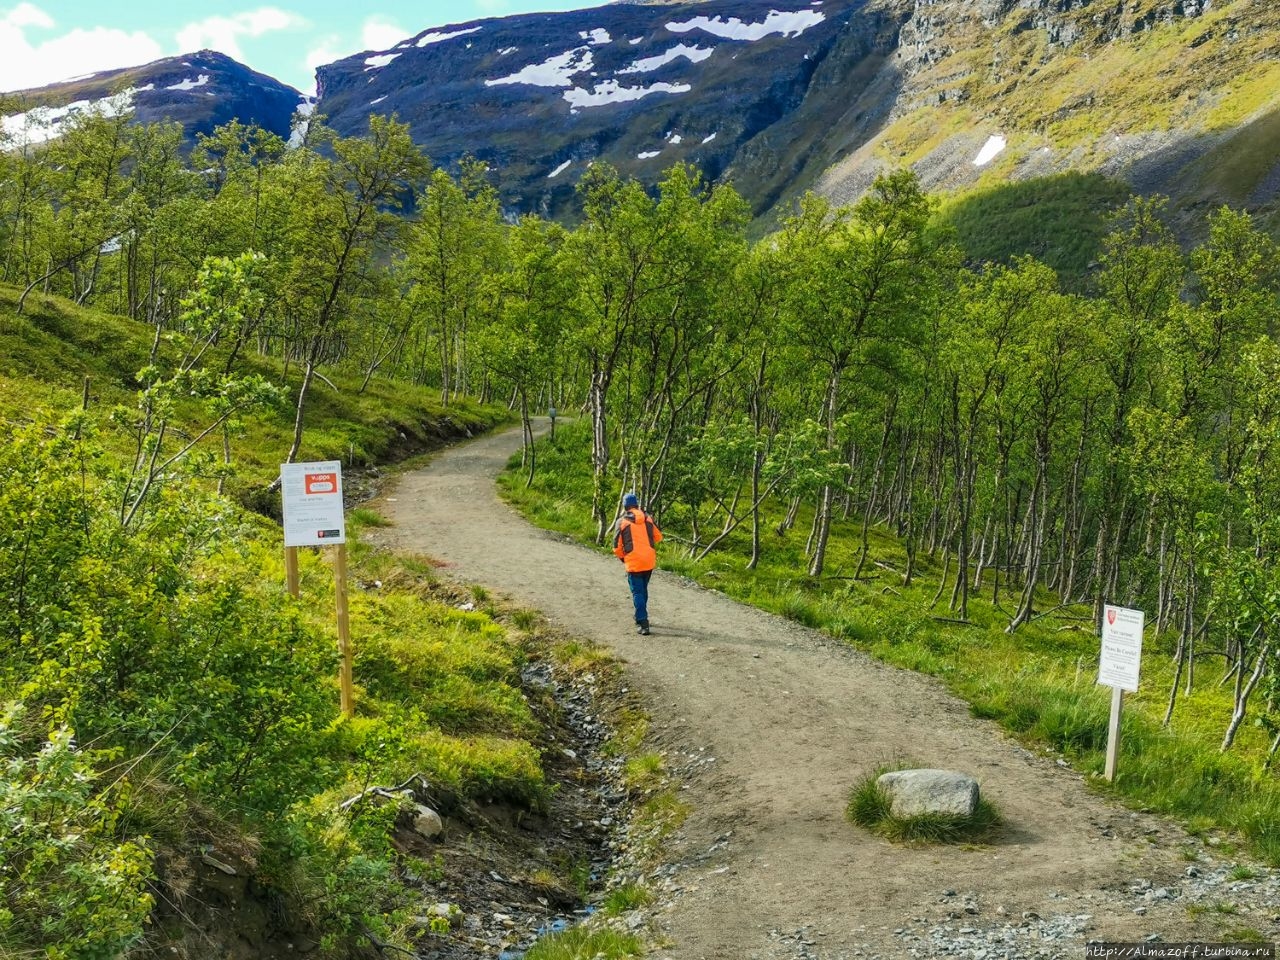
(1111, 616)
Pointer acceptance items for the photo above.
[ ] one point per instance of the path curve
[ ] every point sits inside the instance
(793, 720)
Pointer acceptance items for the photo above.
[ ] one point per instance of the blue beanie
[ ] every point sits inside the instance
(630, 500)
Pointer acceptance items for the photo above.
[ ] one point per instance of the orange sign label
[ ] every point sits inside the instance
(320, 483)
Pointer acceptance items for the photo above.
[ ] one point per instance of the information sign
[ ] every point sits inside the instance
(1121, 648)
(312, 497)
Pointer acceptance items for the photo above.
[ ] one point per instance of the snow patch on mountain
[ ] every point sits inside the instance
(305, 110)
(610, 92)
(787, 24)
(557, 71)
(991, 149)
(381, 60)
(437, 37)
(597, 37)
(42, 124)
(694, 54)
(559, 170)
(189, 84)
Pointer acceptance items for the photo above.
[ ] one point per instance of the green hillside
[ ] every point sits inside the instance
(165, 705)
(1059, 220)
(1176, 103)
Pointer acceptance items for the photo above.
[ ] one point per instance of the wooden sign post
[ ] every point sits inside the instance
(1118, 668)
(313, 517)
(346, 691)
(292, 581)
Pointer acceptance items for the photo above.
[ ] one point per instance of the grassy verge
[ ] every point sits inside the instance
(1038, 683)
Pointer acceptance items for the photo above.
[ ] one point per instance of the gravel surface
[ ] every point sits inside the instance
(768, 725)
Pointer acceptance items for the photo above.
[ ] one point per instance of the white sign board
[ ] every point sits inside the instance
(1121, 648)
(313, 504)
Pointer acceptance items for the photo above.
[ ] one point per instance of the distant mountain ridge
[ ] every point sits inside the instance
(1176, 96)
(200, 90)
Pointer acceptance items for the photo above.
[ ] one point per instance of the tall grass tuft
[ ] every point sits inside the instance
(582, 944)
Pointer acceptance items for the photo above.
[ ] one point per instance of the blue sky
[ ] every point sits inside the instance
(44, 41)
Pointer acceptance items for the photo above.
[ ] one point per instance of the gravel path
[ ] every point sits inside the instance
(771, 724)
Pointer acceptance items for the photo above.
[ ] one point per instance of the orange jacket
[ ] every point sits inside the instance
(637, 536)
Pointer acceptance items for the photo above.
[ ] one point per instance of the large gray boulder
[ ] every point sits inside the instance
(916, 792)
(426, 822)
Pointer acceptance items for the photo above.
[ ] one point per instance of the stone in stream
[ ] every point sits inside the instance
(916, 792)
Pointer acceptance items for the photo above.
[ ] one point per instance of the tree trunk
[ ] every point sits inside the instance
(822, 522)
(599, 450)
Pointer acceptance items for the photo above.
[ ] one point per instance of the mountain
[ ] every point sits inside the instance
(1180, 97)
(1173, 96)
(199, 90)
(751, 89)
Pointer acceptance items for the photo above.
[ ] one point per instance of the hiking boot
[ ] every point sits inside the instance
(642, 630)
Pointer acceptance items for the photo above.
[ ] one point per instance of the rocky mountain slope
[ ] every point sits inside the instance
(1180, 97)
(1175, 96)
(752, 89)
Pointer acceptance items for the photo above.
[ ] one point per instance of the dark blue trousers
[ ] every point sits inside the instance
(639, 583)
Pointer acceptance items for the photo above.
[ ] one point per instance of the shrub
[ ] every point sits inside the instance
(67, 882)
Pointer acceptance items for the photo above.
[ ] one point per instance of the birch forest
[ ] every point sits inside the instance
(1054, 449)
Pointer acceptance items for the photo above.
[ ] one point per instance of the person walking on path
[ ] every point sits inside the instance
(634, 545)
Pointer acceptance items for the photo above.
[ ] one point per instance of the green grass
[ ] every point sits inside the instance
(643, 770)
(629, 896)
(48, 352)
(1189, 75)
(584, 944)
(870, 807)
(1038, 682)
(1244, 935)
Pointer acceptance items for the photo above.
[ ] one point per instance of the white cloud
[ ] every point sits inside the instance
(379, 33)
(33, 63)
(326, 50)
(223, 33)
(26, 15)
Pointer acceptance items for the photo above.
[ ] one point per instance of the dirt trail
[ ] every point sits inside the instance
(793, 720)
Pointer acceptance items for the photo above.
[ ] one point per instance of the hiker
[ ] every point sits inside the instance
(634, 546)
